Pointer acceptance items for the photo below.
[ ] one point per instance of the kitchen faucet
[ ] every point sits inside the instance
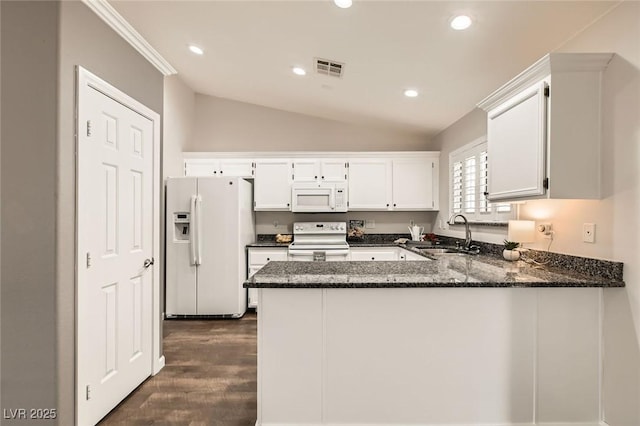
(467, 234)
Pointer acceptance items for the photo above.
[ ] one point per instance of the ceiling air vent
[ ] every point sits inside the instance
(329, 67)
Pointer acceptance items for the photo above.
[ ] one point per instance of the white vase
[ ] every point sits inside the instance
(511, 254)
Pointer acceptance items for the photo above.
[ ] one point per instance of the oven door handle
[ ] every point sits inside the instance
(339, 252)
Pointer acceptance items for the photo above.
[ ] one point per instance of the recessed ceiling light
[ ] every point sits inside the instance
(195, 49)
(298, 71)
(344, 4)
(461, 22)
(411, 93)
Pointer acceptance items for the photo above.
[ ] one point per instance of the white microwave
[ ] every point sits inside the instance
(319, 197)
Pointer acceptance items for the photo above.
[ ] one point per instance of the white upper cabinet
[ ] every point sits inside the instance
(543, 130)
(415, 183)
(319, 170)
(236, 167)
(377, 181)
(231, 167)
(370, 184)
(272, 184)
(333, 170)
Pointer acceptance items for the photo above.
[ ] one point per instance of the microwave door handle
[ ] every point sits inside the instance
(332, 199)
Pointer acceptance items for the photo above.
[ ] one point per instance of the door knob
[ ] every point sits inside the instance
(148, 262)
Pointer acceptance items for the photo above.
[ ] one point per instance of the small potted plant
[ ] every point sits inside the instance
(510, 251)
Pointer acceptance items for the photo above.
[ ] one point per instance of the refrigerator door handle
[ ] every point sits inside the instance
(194, 232)
(198, 222)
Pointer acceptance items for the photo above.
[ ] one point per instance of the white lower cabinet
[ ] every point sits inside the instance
(257, 258)
(374, 253)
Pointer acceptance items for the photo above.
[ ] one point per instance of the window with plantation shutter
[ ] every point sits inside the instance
(469, 185)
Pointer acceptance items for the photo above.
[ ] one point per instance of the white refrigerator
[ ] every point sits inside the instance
(209, 222)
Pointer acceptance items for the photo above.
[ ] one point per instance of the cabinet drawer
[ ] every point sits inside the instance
(374, 255)
(263, 256)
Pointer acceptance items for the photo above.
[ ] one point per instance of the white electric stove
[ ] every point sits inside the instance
(319, 241)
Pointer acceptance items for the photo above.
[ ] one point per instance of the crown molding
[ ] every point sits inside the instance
(547, 65)
(108, 14)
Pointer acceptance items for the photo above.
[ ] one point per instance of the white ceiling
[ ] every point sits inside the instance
(387, 46)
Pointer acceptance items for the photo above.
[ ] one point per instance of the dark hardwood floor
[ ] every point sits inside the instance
(209, 377)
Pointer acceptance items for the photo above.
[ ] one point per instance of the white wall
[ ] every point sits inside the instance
(42, 43)
(226, 125)
(616, 214)
(385, 222)
(178, 123)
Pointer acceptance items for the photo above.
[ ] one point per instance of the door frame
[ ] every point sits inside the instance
(87, 81)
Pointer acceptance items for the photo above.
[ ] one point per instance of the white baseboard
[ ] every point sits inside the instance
(439, 424)
(159, 365)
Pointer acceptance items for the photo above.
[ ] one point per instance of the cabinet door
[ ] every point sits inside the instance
(333, 170)
(373, 254)
(257, 258)
(272, 185)
(306, 170)
(369, 184)
(413, 184)
(198, 167)
(516, 134)
(252, 294)
(240, 167)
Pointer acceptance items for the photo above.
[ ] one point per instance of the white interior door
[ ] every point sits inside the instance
(115, 238)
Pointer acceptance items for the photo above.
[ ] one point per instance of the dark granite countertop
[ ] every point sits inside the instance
(441, 271)
(267, 244)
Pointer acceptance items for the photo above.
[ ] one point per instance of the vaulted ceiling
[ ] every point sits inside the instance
(250, 48)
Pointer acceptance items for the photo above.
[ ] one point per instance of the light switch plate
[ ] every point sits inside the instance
(589, 232)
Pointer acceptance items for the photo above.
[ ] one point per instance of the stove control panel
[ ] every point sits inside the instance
(319, 228)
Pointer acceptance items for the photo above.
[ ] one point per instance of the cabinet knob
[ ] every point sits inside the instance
(220, 171)
(485, 193)
(268, 259)
(387, 204)
(322, 177)
(287, 204)
(373, 258)
(394, 204)
(215, 172)
(315, 177)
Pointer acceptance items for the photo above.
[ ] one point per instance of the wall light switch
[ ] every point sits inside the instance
(589, 232)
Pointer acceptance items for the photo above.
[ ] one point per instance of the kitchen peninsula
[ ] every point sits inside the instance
(454, 340)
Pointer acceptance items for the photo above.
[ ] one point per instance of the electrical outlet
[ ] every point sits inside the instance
(589, 232)
(370, 224)
(546, 230)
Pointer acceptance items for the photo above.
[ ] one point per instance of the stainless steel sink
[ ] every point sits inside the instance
(440, 250)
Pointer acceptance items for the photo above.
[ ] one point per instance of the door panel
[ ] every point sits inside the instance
(218, 279)
(181, 270)
(115, 232)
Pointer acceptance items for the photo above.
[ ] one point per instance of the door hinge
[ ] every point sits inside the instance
(546, 91)
(88, 392)
(88, 260)
(433, 165)
(254, 204)
(88, 128)
(347, 204)
(545, 183)
(347, 165)
(345, 176)
(293, 177)
(433, 203)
